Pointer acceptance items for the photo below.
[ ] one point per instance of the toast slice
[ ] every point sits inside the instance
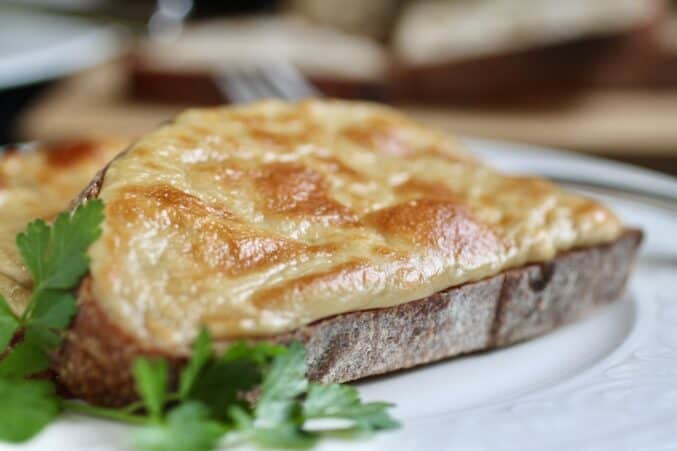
(379, 243)
(40, 181)
(182, 71)
(522, 51)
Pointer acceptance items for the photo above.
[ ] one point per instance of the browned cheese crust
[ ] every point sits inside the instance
(498, 311)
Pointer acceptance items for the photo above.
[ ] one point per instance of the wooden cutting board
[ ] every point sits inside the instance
(639, 127)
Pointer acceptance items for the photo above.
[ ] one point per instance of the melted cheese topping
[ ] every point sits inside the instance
(258, 219)
(40, 183)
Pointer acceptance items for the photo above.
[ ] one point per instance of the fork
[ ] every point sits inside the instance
(276, 79)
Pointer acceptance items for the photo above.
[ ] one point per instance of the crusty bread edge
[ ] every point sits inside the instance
(515, 305)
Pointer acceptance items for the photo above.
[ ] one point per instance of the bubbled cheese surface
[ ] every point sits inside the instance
(258, 219)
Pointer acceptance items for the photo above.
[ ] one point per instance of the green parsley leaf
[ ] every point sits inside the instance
(284, 436)
(33, 245)
(277, 416)
(25, 359)
(151, 377)
(202, 353)
(56, 257)
(285, 381)
(27, 407)
(221, 384)
(52, 312)
(241, 418)
(188, 428)
(9, 323)
(343, 401)
(222, 381)
(261, 353)
(54, 309)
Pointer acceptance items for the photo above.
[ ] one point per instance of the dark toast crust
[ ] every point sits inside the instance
(552, 72)
(512, 306)
(199, 88)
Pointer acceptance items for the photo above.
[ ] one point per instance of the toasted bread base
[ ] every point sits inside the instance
(515, 305)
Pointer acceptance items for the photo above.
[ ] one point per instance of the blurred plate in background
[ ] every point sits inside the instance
(36, 47)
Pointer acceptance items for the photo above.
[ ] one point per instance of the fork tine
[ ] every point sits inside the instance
(277, 79)
(290, 81)
(268, 82)
(236, 85)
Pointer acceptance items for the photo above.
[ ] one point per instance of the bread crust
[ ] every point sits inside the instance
(515, 305)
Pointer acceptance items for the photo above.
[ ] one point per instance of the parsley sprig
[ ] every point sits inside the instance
(56, 258)
(212, 402)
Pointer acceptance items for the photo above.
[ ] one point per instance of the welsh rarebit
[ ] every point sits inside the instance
(377, 242)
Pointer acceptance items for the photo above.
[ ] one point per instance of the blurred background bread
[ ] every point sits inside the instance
(502, 51)
(593, 75)
(372, 18)
(469, 52)
(182, 70)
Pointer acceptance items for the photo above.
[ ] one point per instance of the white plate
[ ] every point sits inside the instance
(608, 382)
(37, 47)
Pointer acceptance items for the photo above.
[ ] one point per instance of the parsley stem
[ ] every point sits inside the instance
(102, 412)
(133, 407)
(31, 304)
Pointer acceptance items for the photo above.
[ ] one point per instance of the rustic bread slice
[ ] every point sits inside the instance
(331, 222)
(522, 51)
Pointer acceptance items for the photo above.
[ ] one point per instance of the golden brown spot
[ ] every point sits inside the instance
(529, 186)
(188, 139)
(293, 189)
(590, 210)
(178, 204)
(380, 135)
(437, 151)
(252, 118)
(281, 139)
(143, 151)
(281, 129)
(336, 166)
(353, 276)
(234, 250)
(326, 248)
(212, 234)
(201, 130)
(589, 207)
(438, 225)
(506, 220)
(387, 252)
(417, 189)
(68, 153)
